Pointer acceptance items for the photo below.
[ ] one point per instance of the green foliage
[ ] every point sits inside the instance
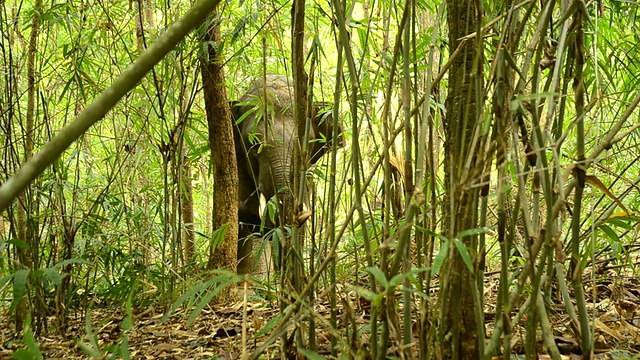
(312, 355)
(202, 292)
(276, 320)
(444, 249)
(218, 236)
(92, 349)
(120, 348)
(31, 351)
(20, 279)
(614, 229)
(115, 195)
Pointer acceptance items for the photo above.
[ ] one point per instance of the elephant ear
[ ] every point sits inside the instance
(322, 123)
(242, 122)
(243, 119)
(236, 111)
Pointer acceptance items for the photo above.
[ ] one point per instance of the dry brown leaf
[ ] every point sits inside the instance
(606, 329)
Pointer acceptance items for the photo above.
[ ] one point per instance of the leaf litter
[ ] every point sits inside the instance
(217, 331)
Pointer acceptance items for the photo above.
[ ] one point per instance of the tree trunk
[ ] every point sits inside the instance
(458, 332)
(299, 153)
(225, 175)
(186, 191)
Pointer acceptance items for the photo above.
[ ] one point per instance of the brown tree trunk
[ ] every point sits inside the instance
(225, 175)
(300, 79)
(458, 332)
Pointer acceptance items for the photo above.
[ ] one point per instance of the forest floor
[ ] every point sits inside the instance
(218, 333)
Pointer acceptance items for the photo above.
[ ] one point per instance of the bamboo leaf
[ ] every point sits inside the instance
(22, 354)
(625, 215)
(53, 275)
(593, 180)
(18, 243)
(188, 295)
(218, 236)
(471, 232)
(462, 249)
(312, 355)
(378, 275)
(611, 234)
(442, 255)
(365, 293)
(208, 297)
(620, 222)
(398, 278)
(92, 349)
(72, 261)
(270, 325)
(88, 349)
(20, 279)
(32, 346)
(429, 232)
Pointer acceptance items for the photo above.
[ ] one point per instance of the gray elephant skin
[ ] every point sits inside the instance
(265, 136)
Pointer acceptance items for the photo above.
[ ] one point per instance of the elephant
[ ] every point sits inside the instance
(265, 162)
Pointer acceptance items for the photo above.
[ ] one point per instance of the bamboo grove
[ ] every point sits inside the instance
(486, 180)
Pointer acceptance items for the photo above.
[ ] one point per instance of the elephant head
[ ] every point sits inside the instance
(265, 138)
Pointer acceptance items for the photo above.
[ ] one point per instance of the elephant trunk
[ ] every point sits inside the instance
(282, 177)
(281, 169)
